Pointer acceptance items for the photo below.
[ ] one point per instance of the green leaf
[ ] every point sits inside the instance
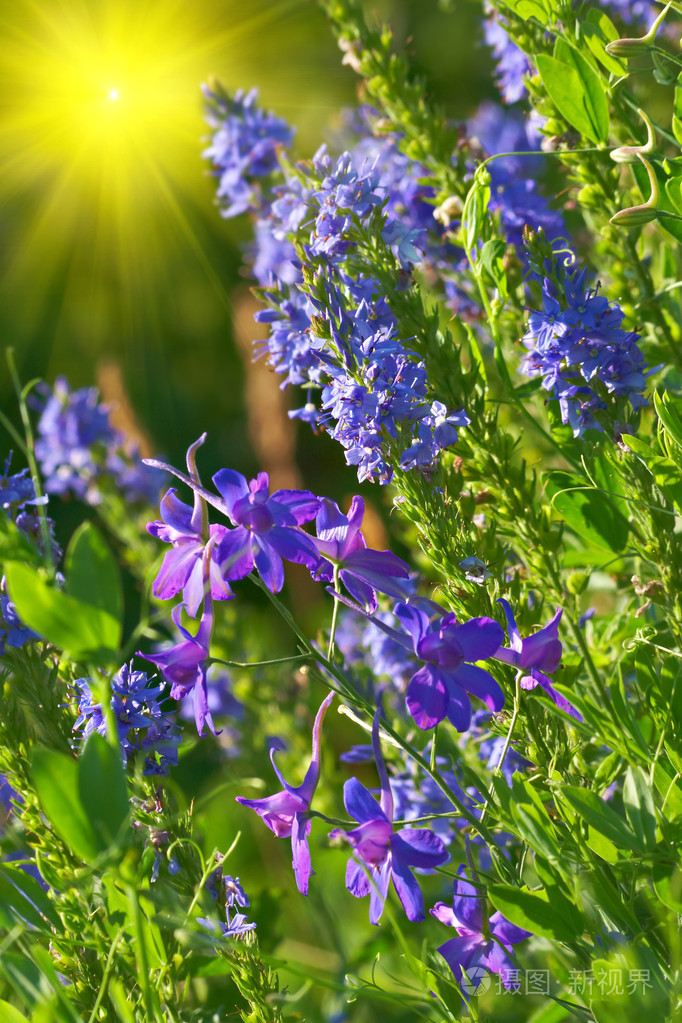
(22, 899)
(599, 815)
(577, 92)
(84, 632)
(666, 410)
(103, 790)
(540, 9)
(15, 545)
(91, 571)
(601, 845)
(532, 820)
(475, 354)
(588, 511)
(598, 30)
(29, 887)
(56, 780)
(9, 1014)
(639, 806)
(558, 919)
(476, 205)
(492, 260)
(594, 86)
(668, 885)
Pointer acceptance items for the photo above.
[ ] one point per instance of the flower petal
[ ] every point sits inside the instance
(269, 565)
(419, 847)
(231, 486)
(379, 890)
(359, 803)
(357, 881)
(479, 638)
(303, 871)
(479, 683)
(427, 697)
(409, 892)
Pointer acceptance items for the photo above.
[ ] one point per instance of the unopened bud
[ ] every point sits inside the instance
(636, 216)
(629, 154)
(637, 47)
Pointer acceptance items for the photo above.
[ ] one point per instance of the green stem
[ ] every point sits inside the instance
(335, 614)
(31, 457)
(105, 976)
(151, 1003)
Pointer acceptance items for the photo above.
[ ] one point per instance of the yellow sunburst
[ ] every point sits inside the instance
(100, 143)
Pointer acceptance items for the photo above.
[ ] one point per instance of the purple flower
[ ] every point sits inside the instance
(184, 663)
(185, 529)
(482, 941)
(539, 652)
(439, 689)
(379, 855)
(267, 528)
(286, 813)
(362, 571)
(234, 927)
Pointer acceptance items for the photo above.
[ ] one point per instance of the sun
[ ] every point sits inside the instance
(100, 143)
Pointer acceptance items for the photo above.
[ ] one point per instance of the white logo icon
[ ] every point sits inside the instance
(475, 980)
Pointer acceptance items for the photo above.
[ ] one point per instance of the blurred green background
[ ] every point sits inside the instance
(116, 266)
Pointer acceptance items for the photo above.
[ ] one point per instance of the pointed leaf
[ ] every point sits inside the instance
(577, 92)
(56, 780)
(599, 815)
(85, 632)
(534, 911)
(103, 790)
(91, 571)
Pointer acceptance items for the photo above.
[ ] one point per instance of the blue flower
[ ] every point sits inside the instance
(578, 346)
(483, 942)
(266, 528)
(362, 571)
(243, 148)
(379, 854)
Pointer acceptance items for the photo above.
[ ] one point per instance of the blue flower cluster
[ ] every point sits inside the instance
(337, 334)
(514, 179)
(512, 63)
(78, 448)
(576, 342)
(243, 148)
(143, 727)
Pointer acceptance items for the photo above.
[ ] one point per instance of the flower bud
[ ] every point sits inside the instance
(629, 154)
(636, 216)
(448, 210)
(576, 583)
(637, 47)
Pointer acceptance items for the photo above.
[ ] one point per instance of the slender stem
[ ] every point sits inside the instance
(31, 458)
(335, 613)
(105, 977)
(150, 1002)
(259, 664)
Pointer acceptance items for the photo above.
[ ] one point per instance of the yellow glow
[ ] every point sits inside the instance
(103, 192)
